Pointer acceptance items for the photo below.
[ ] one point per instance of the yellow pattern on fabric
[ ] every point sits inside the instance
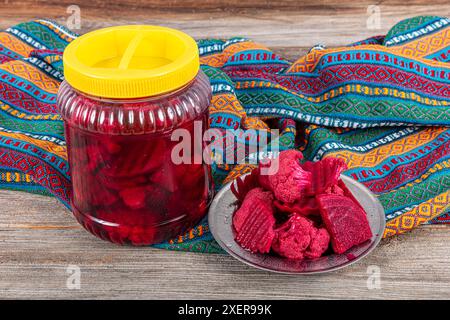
(381, 153)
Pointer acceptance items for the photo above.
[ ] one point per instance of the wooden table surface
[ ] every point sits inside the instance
(39, 239)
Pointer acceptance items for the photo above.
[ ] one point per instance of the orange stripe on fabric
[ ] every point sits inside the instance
(218, 60)
(57, 150)
(309, 62)
(425, 45)
(422, 213)
(14, 44)
(32, 74)
(61, 34)
(379, 154)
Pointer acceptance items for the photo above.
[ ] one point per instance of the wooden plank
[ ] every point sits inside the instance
(332, 25)
(39, 239)
(190, 6)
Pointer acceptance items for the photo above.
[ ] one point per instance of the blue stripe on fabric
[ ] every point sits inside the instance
(416, 29)
(58, 38)
(344, 95)
(404, 183)
(366, 142)
(47, 137)
(45, 67)
(331, 146)
(340, 117)
(40, 153)
(432, 175)
(9, 115)
(400, 164)
(28, 34)
(9, 53)
(28, 91)
(343, 84)
(430, 144)
(23, 186)
(435, 55)
(253, 53)
(324, 63)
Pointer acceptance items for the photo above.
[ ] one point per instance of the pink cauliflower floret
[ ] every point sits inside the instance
(298, 238)
(292, 238)
(288, 181)
(320, 241)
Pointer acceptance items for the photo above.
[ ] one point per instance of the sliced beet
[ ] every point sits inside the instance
(255, 201)
(257, 233)
(254, 221)
(325, 173)
(133, 197)
(345, 220)
(348, 193)
(242, 185)
(305, 206)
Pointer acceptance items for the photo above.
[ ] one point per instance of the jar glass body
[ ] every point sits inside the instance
(129, 186)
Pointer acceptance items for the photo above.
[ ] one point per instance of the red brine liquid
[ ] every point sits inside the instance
(126, 187)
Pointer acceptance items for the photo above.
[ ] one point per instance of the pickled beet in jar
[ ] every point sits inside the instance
(126, 90)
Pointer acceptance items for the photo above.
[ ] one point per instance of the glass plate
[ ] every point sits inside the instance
(220, 223)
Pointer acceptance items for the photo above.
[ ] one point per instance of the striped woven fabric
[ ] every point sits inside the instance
(381, 104)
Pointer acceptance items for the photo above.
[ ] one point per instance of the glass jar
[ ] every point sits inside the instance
(127, 89)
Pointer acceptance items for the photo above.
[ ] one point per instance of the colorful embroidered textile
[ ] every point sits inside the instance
(382, 104)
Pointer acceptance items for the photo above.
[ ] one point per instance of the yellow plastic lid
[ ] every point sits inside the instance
(131, 61)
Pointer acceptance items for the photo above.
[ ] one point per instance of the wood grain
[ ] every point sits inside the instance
(39, 238)
(288, 23)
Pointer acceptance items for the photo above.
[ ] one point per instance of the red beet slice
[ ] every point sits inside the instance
(289, 182)
(325, 173)
(335, 189)
(256, 200)
(127, 158)
(306, 206)
(242, 185)
(341, 189)
(254, 221)
(348, 193)
(118, 184)
(104, 197)
(134, 197)
(345, 220)
(169, 176)
(158, 200)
